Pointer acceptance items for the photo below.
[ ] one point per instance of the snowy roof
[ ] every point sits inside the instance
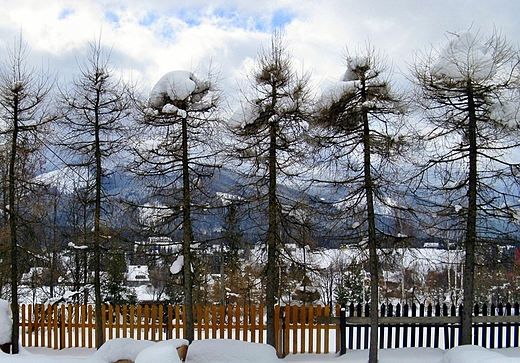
(138, 273)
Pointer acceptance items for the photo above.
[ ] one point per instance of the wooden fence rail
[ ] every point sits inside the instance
(300, 329)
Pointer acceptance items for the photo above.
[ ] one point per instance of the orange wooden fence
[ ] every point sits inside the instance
(299, 329)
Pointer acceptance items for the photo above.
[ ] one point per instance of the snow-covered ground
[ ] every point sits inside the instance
(231, 351)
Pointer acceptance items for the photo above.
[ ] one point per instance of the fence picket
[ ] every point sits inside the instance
(237, 322)
(405, 329)
(445, 328)
(398, 328)
(253, 323)
(517, 327)
(429, 312)
(500, 326)
(30, 327)
(436, 327)
(492, 311)
(508, 326)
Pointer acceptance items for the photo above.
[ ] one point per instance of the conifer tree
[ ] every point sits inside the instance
(468, 93)
(96, 110)
(24, 116)
(359, 135)
(268, 129)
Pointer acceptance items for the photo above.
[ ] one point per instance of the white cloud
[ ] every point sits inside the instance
(150, 38)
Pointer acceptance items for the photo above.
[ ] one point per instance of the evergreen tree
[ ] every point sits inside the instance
(268, 129)
(96, 112)
(24, 115)
(359, 136)
(176, 157)
(468, 92)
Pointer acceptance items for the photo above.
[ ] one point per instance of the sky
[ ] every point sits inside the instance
(150, 38)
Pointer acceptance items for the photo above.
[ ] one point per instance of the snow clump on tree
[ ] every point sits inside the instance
(464, 58)
(177, 91)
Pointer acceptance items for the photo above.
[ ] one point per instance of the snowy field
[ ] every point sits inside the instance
(230, 351)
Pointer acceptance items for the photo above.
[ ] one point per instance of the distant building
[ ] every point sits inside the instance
(138, 275)
(432, 245)
(157, 245)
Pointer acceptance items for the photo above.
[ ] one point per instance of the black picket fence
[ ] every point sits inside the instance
(435, 326)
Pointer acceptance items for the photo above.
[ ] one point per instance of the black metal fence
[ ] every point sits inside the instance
(436, 326)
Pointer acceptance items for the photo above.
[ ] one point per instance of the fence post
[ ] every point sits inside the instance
(343, 330)
(281, 333)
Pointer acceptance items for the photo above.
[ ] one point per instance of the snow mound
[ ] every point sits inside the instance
(402, 355)
(476, 354)
(122, 348)
(6, 322)
(163, 352)
(230, 351)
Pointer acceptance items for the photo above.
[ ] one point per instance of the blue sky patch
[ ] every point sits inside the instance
(112, 17)
(234, 19)
(258, 22)
(148, 19)
(190, 16)
(281, 18)
(64, 14)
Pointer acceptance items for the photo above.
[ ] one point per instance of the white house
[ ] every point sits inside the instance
(137, 275)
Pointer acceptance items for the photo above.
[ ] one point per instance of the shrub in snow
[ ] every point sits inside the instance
(230, 351)
(6, 322)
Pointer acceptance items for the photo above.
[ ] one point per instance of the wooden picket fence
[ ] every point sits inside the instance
(63, 326)
(299, 329)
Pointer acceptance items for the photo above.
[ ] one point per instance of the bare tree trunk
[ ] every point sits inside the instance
(187, 235)
(222, 279)
(271, 268)
(13, 229)
(100, 339)
(372, 246)
(471, 228)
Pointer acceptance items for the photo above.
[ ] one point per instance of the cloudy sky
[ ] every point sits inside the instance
(149, 38)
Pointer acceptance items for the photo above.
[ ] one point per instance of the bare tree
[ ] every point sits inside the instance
(469, 98)
(360, 137)
(268, 128)
(96, 111)
(24, 112)
(176, 156)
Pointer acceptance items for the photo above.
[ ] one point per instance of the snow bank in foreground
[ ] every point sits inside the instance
(5, 322)
(122, 348)
(231, 351)
(163, 352)
(473, 354)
